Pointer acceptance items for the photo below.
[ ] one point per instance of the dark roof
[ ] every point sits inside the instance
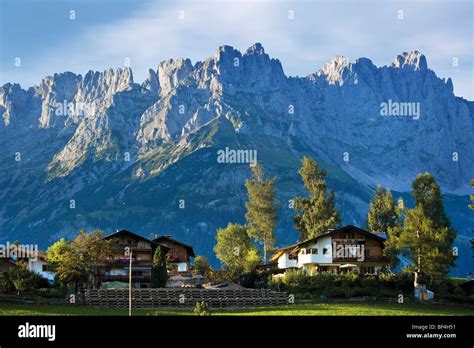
(128, 233)
(164, 249)
(343, 229)
(188, 247)
(329, 233)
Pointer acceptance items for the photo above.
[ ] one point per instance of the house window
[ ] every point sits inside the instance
(325, 251)
(369, 270)
(47, 268)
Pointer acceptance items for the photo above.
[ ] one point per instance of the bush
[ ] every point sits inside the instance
(321, 281)
(202, 309)
(387, 293)
(201, 265)
(296, 280)
(404, 282)
(401, 282)
(370, 282)
(359, 292)
(248, 280)
(348, 280)
(21, 279)
(459, 292)
(39, 282)
(5, 283)
(51, 292)
(343, 285)
(337, 293)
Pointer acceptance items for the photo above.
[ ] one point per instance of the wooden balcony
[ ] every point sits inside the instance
(125, 278)
(382, 259)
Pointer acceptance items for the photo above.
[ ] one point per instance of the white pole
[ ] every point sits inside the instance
(130, 286)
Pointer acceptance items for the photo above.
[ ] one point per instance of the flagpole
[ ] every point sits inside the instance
(130, 286)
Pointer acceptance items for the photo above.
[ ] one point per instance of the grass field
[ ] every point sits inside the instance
(321, 309)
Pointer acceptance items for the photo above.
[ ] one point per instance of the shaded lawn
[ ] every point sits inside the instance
(321, 309)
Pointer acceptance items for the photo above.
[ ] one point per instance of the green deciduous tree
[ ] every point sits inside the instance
(427, 195)
(234, 249)
(159, 273)
(383, 213)
(201, 264)
(81, 259)
(316, 213)
(262, 209)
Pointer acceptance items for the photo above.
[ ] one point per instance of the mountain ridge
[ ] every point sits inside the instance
(121, 143)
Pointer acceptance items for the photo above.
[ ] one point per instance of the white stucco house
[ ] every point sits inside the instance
(39, 265)
(348, 248)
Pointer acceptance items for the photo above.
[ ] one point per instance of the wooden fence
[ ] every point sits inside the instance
(184, 297)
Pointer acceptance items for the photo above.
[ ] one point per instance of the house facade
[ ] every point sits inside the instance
(179, 253)
(35, 261)
(346, 249)
(143, 250)
(42, 267)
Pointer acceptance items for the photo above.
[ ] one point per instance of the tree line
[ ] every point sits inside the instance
(422, 234)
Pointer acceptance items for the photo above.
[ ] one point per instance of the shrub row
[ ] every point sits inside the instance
(342, 285)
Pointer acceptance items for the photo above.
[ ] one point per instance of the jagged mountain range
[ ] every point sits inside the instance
(102, 151)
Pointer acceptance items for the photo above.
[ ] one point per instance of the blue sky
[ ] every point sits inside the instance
(107, 32)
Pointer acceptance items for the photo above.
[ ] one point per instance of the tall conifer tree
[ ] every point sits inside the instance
(262, 209)
(317, 213)
(383, 213)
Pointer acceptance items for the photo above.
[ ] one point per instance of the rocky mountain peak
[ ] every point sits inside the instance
(13, 100)
(411, 60)
(256, 48)
(152, 83)
(58, 89)
(172, 72)
(252, 70)
(334, 69)
(98, 88)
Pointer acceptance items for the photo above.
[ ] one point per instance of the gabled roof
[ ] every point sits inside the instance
(295, 247)
(188, 247)
(344, 229)
(282, 250)
(128, 233)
